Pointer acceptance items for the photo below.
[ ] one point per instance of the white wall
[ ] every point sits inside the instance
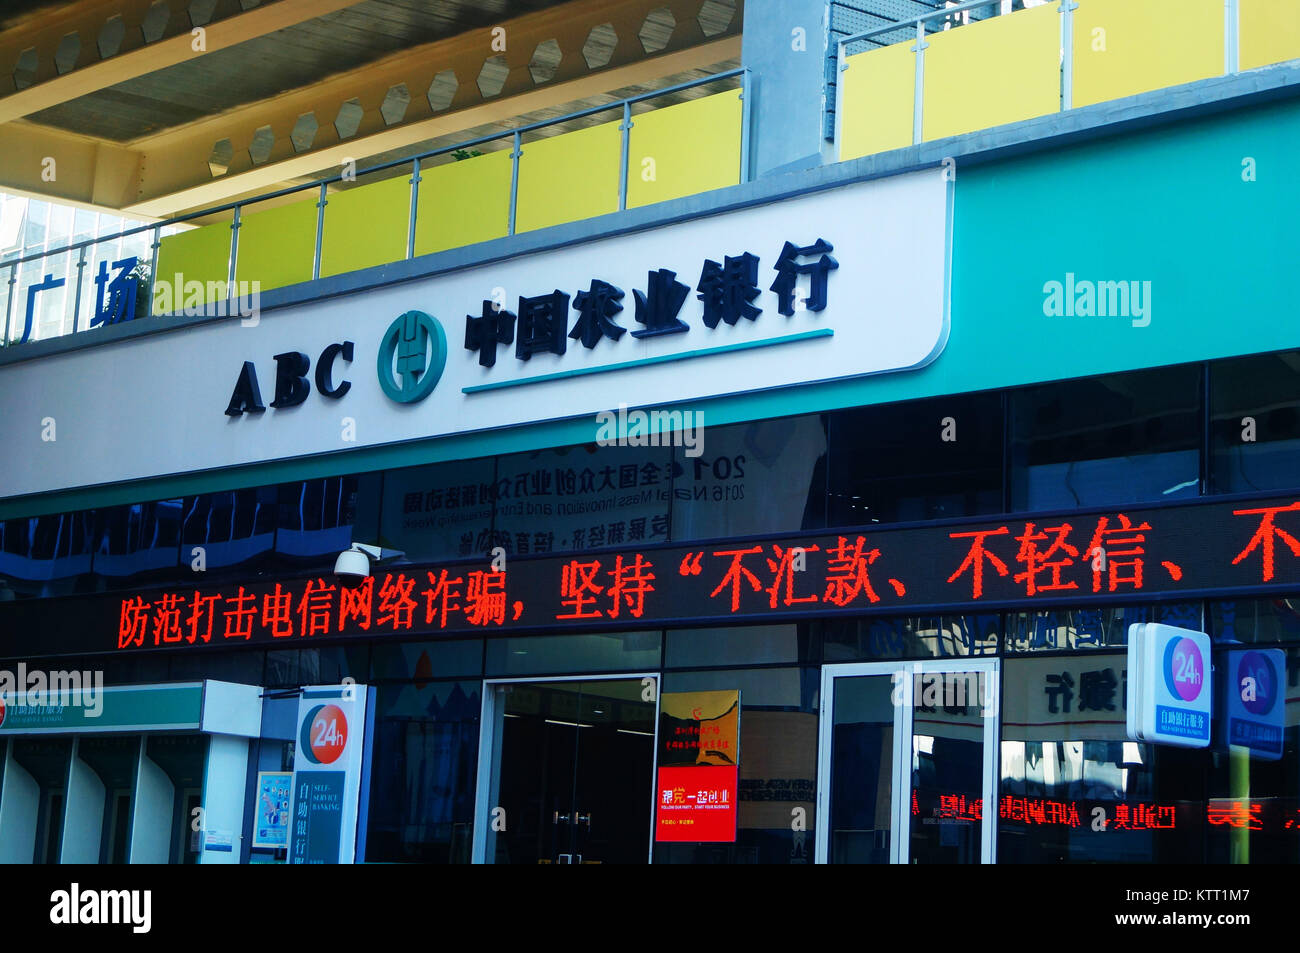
(20, 799)
(153, 803)
(83, 817)
(224, 780)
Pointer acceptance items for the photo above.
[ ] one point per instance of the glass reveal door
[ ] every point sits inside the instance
(906, 762)
(566, 771)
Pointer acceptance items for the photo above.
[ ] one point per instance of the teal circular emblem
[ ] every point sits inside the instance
(412, 355)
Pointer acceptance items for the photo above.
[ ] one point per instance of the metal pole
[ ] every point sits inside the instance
(1231, 37)
(625, 127)
(234, 255)
(9, 302)
(746, 117)
(76, 301)
(320, 231)
(918, 94)
(841, 67)
(1067, 53)
(415, 198)
(514, 181)
(153, 265)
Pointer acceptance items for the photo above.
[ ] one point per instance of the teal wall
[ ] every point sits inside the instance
(1167, 205)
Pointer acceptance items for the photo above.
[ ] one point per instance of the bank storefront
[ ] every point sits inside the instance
(866, 597)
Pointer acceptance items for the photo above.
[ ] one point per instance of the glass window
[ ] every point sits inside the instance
(426, 660)
(1255, 423)
(45, 555)
(1073, 787)
(574, 654)
(83, 224)
(778, 765)
(923, 460)
(768, 476)
(246, 668)
(316, 517)
(423, 773)
(739, 645)
(139, 538)
(231, 527)
(1094, 627)
(583, 497)
(900, 637)
(1267, 621)
(60, 225)
(1123, 438)
(37, 219)
(291, 668)
(440, 511)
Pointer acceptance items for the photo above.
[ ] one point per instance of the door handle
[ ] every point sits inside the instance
(583, 819)
(561, 818)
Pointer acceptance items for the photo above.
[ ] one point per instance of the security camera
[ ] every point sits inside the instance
(353, 565)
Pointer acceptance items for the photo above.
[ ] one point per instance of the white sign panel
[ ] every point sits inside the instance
(327, 765)
(835, 284)
(1169, 685)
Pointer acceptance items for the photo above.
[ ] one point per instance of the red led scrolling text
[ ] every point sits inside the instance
(1110, 557)
(398, 604)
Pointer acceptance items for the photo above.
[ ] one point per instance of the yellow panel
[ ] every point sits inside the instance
(200, 254)
(1125, 47)
(276, 244)
(569, 177)
(878, 88)
(1269, 31)
(684, 149)
(366, 225)
(1017, 59)
(463, 202)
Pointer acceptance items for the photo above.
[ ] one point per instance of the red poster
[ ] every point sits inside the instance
(697, 804)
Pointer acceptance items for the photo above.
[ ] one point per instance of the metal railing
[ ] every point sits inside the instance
(1231, 52)
(321, 186)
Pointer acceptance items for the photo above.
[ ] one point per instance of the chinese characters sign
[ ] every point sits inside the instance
(1175, 552)
(1169, 692)
(699, 758)
(326, 785)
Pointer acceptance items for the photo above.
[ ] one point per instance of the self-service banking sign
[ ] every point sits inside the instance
(1169, 685)
(327, 774)
(1254, 703)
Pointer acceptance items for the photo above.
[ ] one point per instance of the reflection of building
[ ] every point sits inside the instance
(927, 457)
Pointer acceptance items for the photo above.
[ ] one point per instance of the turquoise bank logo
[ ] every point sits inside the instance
(412, 356)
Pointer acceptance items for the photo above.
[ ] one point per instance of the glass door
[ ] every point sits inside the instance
(906, 762)
(565, 773)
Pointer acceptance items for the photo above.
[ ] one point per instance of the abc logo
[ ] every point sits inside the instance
(324, 734)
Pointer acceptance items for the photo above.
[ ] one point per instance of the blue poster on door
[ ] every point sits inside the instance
(271, 825)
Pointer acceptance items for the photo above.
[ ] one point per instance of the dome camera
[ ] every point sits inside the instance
(353, 565)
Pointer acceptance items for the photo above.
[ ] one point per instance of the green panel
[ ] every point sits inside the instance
(175, 707)
(463, 202)
(276, 245)
(366, 226)
(200, 254)
(569, 177)
(684, 149)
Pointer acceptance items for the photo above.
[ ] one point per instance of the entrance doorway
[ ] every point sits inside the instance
(566, 769)
(906, 762)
